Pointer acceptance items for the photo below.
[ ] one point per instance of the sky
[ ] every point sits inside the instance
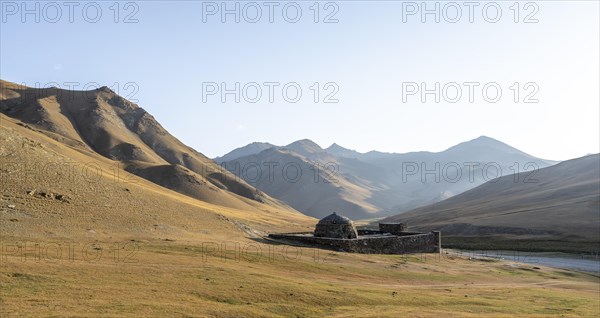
(349, 72)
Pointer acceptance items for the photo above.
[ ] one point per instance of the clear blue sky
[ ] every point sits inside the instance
(368, 54)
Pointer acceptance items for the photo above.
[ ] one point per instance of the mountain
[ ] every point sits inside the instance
(561, 202)
(304, 147)
(440, 175)
(376, 184)
(247, 150)
(301, 175)
(100, 121)
(340, 151)
(485, 149)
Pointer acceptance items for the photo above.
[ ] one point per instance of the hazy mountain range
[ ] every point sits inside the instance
(558, 202)
(372, 184)
(458, 190)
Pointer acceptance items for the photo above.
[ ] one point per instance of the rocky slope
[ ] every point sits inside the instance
(102, 122)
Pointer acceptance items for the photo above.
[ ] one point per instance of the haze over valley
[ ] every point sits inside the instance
(314, 180)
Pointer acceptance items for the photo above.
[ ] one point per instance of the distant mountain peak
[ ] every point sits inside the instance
(247, 150)
(483, 138)
(483, 141)
(335, 146)
(304, 147)
(340, 151)
(487, 149)
(306, 143)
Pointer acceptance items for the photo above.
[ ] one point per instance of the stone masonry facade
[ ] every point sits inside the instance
(390, 239)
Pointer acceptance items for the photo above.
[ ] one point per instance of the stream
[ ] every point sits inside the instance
(584, 262)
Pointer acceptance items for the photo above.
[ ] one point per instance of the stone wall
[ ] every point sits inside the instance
(393, 228)
(368, 232)
(341, 231)
(375, 244)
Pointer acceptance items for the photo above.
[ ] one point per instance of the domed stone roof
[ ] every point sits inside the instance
(336, 226)
(334, 218)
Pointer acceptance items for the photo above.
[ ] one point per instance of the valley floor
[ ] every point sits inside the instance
(104, 243)
(252, 278)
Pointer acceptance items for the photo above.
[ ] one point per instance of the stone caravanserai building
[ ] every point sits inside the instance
(336, 226)
(338, 232)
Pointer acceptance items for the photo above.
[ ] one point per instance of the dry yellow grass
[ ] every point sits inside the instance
(177, 269)
(194, 280)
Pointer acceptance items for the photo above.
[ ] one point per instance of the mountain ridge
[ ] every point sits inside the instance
(103, 122)
(374, 182)
(337, 149)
